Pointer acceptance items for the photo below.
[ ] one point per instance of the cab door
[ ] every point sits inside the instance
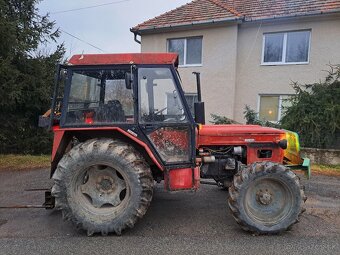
(164, 116)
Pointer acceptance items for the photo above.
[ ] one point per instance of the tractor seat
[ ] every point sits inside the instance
(111, 112)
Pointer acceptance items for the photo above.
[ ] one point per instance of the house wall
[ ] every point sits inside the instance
(254, 79)
(218, 70)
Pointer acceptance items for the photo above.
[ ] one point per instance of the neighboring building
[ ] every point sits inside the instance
(248, 51)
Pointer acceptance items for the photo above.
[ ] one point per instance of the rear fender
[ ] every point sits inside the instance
(63, 138)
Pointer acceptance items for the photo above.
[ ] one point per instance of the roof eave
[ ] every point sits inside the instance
(156, 29)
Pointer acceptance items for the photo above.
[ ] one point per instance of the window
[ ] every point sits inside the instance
(172, 143)
(188, 49)
(159, 99)
(272, 107)
(286, 48)
(99, 97)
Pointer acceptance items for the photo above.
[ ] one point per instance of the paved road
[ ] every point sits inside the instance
(179, 223)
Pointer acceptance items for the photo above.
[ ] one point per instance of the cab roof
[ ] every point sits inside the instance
(126, 58)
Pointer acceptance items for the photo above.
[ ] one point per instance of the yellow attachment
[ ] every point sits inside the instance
(292, 153)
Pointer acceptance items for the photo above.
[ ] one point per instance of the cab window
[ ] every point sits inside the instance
(159, 100)
(99, 97)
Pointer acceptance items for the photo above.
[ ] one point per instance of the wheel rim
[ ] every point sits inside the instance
(103, 189)
(268, 201)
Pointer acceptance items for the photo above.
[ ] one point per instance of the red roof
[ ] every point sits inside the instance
(214, 11)
(121, 59)
(195, 11)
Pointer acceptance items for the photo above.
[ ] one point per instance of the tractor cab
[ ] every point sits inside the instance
(104, 96)
(135, 94)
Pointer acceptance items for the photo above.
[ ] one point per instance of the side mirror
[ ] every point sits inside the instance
(128, 80)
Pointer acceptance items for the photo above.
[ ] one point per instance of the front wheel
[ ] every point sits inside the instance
(103, 185)
(266, 198)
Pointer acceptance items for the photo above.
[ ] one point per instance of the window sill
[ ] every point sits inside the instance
(284, 64)
(194, 65)
(270, 121)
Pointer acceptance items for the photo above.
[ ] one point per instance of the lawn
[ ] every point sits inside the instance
(22, 162)
(326, 169)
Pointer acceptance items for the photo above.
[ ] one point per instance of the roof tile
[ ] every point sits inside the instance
(257, 9)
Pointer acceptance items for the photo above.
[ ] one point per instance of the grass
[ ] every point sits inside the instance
(326, 169)
(24, 162)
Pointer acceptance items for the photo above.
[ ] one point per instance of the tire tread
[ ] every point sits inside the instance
(239, 182)
(123, 152)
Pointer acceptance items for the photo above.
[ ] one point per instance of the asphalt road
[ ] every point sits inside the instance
(177, 223)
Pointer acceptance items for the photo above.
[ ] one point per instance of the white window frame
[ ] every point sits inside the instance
(280, 96)
(284, 50)
(185, 50)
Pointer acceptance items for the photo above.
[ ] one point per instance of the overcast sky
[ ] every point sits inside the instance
(106, 27)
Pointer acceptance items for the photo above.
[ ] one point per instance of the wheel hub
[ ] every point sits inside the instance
(264, 197)
(106, 184)
(102, 185)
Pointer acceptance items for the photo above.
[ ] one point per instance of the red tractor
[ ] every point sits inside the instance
(121, 122)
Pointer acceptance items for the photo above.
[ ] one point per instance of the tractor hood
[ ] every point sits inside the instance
(237, 135)
(232, 130)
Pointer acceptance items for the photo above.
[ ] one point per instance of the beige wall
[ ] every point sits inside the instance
(254, 79)
(218, 68)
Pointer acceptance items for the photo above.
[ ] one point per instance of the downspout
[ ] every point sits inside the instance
(135, 38)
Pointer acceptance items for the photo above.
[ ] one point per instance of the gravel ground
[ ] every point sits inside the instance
(176, 223)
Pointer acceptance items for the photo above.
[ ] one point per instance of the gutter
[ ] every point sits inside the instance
(137, 31)
(135, 37)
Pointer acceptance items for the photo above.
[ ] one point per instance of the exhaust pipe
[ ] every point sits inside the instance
(199, 106)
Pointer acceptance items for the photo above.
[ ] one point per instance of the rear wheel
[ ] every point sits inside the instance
(103, 186)
(266, 198)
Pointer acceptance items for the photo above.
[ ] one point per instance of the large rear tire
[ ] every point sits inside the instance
(103, 186)
(266, 198)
